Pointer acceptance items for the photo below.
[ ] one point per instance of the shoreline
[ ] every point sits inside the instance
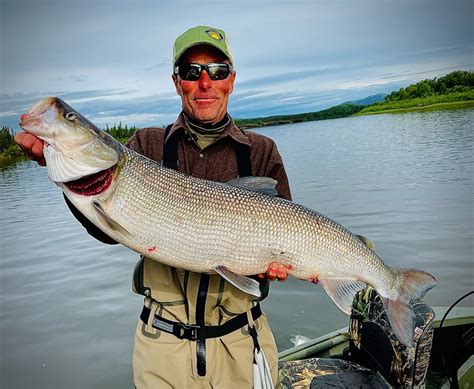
(8, 160)
(431, 107)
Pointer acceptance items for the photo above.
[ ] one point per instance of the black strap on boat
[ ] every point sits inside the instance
(171, 161)
(194, 332)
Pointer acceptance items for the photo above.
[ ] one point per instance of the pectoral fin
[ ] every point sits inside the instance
(342, 291)
(244, 283)
(257, 184)
(108, 221)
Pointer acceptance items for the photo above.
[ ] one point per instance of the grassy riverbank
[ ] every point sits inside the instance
(454, 90)
(451, 101)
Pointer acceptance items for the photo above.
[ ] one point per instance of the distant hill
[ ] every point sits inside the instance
(369, 100)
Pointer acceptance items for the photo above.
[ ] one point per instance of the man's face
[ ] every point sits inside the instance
(204, 100)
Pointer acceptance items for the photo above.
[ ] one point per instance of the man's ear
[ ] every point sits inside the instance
(232, 80)
(177, 84)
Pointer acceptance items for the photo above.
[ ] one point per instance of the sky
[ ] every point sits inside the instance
(111, 59)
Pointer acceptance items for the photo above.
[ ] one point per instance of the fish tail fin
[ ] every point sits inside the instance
(411, 285)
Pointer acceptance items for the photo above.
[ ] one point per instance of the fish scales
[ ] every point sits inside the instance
(196, 222)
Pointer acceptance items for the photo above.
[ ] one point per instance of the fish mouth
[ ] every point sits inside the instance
(39, 115)
(92, 184)
(30, 122)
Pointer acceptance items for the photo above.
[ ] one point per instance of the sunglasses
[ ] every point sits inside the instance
(192, 71)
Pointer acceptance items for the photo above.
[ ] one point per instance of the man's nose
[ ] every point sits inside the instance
(205, 81)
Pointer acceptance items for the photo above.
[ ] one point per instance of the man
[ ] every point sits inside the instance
(197, 330)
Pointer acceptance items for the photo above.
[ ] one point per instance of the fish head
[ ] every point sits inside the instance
(74, 147)
(54, 121)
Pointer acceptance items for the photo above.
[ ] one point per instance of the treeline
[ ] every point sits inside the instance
(455, 82)
(6, 139)
(7, 143)
(339, 111)
(120, 132)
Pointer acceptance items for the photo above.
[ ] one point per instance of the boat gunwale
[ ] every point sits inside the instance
(457, 316)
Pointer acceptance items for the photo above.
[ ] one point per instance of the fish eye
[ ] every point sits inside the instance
(71, 116)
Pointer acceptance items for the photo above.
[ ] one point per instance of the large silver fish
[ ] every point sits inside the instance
(205, 226)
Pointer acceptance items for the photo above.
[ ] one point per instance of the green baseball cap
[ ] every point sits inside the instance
(201, 35)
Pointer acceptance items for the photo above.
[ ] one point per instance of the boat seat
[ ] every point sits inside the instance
(328, 373)
(374, 345)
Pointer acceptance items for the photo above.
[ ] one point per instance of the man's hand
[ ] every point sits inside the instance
(32, 146)
(275, 271)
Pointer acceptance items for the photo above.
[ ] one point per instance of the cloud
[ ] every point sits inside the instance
(72, 77)
(78, 77)
(93, 94)
(163, 64)
(21, 102)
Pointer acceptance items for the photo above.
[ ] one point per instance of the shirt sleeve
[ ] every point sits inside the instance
(276, 170)
(267, 162)
(134, 143)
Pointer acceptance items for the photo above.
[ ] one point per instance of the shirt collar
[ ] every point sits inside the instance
(230, 130)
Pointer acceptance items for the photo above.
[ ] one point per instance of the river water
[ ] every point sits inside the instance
(67, 313)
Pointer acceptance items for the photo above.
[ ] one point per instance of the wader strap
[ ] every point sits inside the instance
(243, 160)
(200, 313)
(253, 331)
(170, 151)
(194, 332)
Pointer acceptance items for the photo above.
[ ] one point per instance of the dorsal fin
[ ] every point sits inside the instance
(265, 185)
(366, 241)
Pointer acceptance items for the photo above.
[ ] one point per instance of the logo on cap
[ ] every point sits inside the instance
(216, 35)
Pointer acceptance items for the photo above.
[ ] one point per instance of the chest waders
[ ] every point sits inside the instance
(199, 332)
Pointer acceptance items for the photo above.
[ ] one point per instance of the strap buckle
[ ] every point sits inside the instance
(187, 331)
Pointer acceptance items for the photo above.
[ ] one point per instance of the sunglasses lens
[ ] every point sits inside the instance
(218, 71)
(190, 72)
